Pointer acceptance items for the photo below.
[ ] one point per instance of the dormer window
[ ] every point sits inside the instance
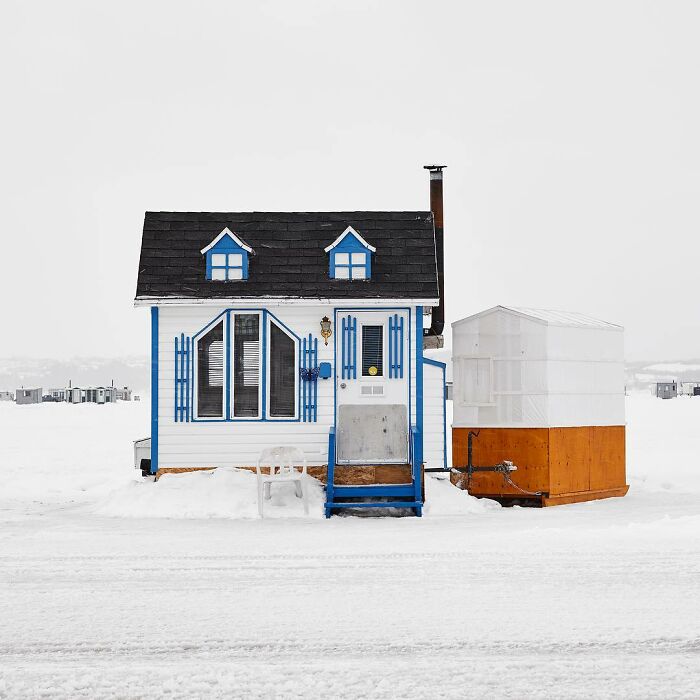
(227, 266)
(350, 266)
(227, 258)
(350, 256)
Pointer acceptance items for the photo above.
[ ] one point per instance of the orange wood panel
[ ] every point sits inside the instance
(569, 460)
(527, 448)
(607, 457)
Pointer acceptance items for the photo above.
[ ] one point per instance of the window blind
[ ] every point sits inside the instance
(282, 373)
(246, 365)
(372, 350)
(210, 379)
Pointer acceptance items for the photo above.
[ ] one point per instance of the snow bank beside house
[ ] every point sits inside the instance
(220, 493)
(442, 498)
(231, 493)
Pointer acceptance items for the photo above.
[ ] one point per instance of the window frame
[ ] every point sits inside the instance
(384, 336)
(231, 314)
(459, 362)
(266, 318)
(268, 323)
(222, 318)
(351, 266)
(227, 267)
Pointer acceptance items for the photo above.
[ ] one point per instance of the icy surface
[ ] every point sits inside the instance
(114, 587)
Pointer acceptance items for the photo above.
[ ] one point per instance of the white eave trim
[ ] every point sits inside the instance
(249, 302)
(350, 230)
(232, 236)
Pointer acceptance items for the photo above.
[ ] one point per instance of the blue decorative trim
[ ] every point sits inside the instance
(182, 376)
(349, 347)
(434, 363)
(176, 403)
(154, 389)
(188, 370)
(309, 372)
(396, 347)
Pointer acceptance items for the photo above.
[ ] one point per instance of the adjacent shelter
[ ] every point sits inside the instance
(27, 396)
(545, 390)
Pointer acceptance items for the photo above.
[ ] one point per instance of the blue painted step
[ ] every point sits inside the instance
(416, 505)
(404, 493)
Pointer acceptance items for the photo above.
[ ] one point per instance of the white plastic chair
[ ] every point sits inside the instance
(281, 462)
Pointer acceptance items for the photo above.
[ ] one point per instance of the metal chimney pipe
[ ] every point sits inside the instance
(438, 316)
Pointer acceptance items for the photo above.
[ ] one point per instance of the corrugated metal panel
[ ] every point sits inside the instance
(563, 318)
(550, 317)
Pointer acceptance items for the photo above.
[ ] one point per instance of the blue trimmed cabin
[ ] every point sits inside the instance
(300, 328)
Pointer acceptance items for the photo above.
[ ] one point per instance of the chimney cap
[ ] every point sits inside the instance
(434, 168)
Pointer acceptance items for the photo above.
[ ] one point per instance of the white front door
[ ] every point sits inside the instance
(372, 387)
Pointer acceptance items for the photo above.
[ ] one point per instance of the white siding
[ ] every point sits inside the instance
(238, 443)
(433, 416)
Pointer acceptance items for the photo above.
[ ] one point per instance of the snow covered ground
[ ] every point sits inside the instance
(114, 587)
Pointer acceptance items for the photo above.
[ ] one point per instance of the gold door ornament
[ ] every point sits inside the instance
(326, 329)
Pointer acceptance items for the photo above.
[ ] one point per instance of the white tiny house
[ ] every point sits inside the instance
(300, 329)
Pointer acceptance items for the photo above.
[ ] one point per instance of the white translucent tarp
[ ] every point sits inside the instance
(547, 369)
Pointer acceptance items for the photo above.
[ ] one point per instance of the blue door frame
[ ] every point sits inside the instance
(403, 495)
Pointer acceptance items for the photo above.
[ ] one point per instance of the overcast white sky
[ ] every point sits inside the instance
(570, 131)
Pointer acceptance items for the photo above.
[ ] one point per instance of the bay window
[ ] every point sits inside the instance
(232, 367)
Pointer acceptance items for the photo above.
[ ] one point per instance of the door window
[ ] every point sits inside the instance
(372, 351)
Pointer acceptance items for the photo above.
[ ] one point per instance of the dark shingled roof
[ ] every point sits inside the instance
(289, 259)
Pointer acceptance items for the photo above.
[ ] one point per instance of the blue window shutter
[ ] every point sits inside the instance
(395, 347)
(177, 380)
(183, 361)
(309, 375)
(391, 347)
(349, 347)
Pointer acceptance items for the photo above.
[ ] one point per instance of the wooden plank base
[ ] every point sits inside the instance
(584, 496)
(345, 475)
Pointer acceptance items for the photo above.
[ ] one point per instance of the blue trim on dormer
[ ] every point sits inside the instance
(227, 246)
(349, 245)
